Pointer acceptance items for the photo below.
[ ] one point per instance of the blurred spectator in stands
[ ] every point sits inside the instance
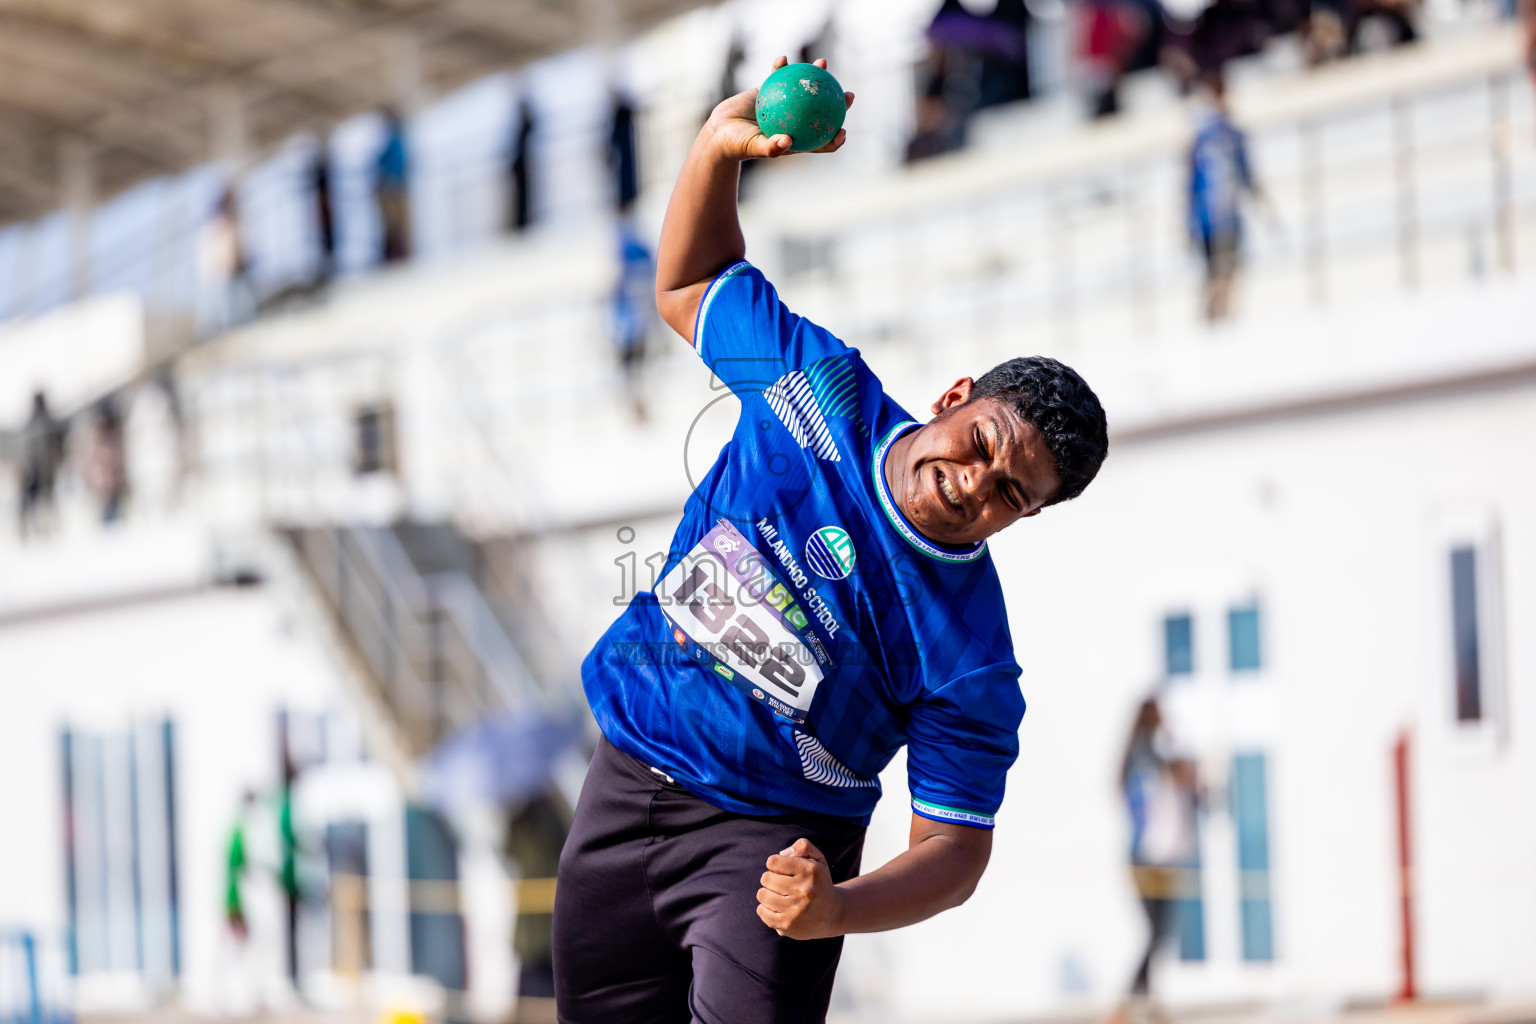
(1528, 17)
(535, 836)
(1225, 31)
(937, 129)
(1161, 801)
(1337, 28)
(1324, 36)
(1111, 33)
(42, 451)
(973, 61)
(520, 169)
(634, 311)
(392, 189)
(1377, 25)
(325, 212)
(223, 268)
(622, 156)
(105, 466)
(1219, 176)
(1005, 64)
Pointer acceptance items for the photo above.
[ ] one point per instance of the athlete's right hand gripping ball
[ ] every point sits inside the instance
(804, 102)
(734, 128)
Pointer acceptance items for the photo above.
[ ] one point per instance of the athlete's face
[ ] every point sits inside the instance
(970, 471)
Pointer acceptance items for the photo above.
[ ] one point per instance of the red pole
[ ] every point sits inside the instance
(1409, 990)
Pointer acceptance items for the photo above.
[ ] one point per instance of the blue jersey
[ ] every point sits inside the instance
(1219, 173)
(802, 630)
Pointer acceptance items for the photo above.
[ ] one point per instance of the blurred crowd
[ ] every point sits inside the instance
(91, 461)
(979, 58)
(979, 54)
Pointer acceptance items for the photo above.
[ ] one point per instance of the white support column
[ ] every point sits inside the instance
(603, 24)
(228, 138)
(77, 177)
(406, 80)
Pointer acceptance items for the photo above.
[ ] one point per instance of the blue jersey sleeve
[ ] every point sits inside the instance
(746, 335)
(962, 739)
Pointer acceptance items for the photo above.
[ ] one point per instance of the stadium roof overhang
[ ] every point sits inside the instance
(96, 95)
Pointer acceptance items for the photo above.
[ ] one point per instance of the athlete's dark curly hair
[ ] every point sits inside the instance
(1062, 406)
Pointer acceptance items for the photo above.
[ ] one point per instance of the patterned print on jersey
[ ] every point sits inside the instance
(820, 766)
(835, 384)
(795, 403)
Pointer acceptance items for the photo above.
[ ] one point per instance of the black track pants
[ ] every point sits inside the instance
(656, 908)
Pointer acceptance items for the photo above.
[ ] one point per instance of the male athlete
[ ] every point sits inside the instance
(828, 598)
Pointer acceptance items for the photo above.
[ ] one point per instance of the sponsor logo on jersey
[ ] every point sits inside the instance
(757, 693)
(677, 635)
(830, 552)
(815, 607)
(727, 673)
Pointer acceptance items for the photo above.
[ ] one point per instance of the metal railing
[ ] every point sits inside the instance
(34, 976)
(434, 649)
(1377, 192)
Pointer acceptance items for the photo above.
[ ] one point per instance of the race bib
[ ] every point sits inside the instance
(734, 617)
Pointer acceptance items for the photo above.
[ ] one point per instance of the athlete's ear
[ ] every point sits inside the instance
(958, 394)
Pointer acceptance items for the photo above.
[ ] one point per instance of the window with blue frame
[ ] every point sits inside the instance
(1464, 630)
(1189, 910)
(1250, 814)
(1244, 654)
(1179, 645)
(121, 878)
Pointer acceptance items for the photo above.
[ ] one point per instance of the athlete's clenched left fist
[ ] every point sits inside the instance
(798, 898)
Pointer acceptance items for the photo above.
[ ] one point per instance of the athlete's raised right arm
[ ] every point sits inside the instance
(701, 234)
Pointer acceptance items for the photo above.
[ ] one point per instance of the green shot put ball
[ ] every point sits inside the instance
(804, 102)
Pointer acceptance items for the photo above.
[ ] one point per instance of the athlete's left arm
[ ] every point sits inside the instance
(939, 870)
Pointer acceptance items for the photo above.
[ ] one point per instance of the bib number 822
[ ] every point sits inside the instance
(739, 635)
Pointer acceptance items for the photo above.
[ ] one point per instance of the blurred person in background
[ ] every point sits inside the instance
(288, 857)
(535, 836)
(1160, 795)
(623, 158)
(1376, 25)
(520, 169)
(106, 460)
(1528, 19)
(1225, 31)
(634, 310)
(222, 266)
(1110, 34)
(242, 952)
(325, 213)
(42, 452)
(392, 188)
(1220, 175)
(937, 128)
(974, 61)
(1324, 37)
(236, 864)
(1332, 29)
